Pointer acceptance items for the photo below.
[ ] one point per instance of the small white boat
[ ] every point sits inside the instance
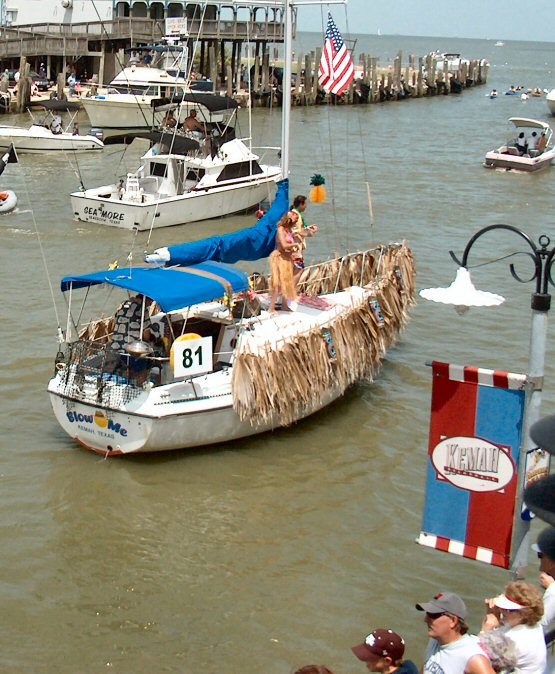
(550, 98)
(8, 198)
(182, 179)
(125, 103)
(205, 362)
(499, 43)
(528, 149)
(49, 135)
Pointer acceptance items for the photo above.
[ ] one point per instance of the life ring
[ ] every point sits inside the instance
(8, 201)
(182, 338)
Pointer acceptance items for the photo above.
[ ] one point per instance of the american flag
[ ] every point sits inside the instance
(336, 69)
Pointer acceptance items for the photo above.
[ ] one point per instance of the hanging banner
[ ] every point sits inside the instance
(473, 457)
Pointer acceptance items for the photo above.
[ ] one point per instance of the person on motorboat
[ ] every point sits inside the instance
(521, 143)
(169, 120)
(191, 123)
(56, 125)
(542, 143)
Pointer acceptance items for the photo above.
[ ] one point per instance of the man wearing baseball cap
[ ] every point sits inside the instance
(545, 548)
(451, 649)
(383, 651)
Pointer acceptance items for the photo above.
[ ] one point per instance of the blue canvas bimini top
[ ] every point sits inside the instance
(170, 287)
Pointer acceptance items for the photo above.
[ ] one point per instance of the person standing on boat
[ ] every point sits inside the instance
(301, 231)
(521, 143)
(282, 280)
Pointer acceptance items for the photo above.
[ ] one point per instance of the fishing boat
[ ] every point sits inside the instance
(529, 147)
(192, 356)
(125, 103)
(182, 178)
(48, 135)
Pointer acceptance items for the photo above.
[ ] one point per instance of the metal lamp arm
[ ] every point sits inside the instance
(535, 254)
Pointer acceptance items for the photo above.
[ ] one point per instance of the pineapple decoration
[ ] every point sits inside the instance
(318, 191)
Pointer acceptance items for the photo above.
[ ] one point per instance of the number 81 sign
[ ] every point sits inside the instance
(192, 356)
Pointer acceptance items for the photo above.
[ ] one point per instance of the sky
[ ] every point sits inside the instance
(485, 19)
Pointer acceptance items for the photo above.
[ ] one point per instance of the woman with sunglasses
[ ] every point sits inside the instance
(517, 614)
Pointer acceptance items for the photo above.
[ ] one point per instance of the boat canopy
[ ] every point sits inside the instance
(54, 105)
(179, 144)
(212, 102)
(534, 123)
(253, 243)
(171, 288)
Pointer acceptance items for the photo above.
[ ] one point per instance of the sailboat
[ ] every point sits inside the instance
(192, 356)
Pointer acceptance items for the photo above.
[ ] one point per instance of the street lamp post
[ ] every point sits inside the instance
(463, 295)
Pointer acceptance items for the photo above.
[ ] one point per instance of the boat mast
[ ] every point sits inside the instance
(286, 86)
(288, 70)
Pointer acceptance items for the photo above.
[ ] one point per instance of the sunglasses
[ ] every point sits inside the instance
(540, 555)
(435, 616)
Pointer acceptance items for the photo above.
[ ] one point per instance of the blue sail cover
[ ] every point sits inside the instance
(248, 244)
(171, 288)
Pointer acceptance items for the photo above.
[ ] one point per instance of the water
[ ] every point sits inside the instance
(288, 548)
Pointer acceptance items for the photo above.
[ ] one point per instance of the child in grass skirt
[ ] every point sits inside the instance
(282, 281)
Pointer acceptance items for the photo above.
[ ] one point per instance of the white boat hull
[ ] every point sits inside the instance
(508, 162)
(175, 425)
(550, 98)
(90, 206)
(135, 113)
(39, 139)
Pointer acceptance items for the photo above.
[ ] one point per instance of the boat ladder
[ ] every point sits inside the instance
(132, 188)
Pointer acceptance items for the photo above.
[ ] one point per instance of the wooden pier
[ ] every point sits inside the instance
(430, 75)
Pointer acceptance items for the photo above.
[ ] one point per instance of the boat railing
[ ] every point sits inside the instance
(95, 371)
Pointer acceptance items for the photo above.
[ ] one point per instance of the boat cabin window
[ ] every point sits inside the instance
(239, 170)
(136, 89)
(159, 169)
(195, 174)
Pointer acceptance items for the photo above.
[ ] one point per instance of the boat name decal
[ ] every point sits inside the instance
(111, 428)
(101, 214)
(473, 463)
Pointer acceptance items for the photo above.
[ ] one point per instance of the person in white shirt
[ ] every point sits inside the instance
(517, 613)
(545, 548)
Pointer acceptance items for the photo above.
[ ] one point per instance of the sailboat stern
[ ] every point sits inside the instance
(103, 431)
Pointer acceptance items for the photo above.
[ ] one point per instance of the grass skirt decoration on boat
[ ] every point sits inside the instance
(349, 348)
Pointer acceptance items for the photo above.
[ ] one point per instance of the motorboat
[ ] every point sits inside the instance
(184, 176)
(48, 134)
(529, 147)
(550, 98)
(125, 103)
(499, 43)
(8, 198)
(207, 362)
